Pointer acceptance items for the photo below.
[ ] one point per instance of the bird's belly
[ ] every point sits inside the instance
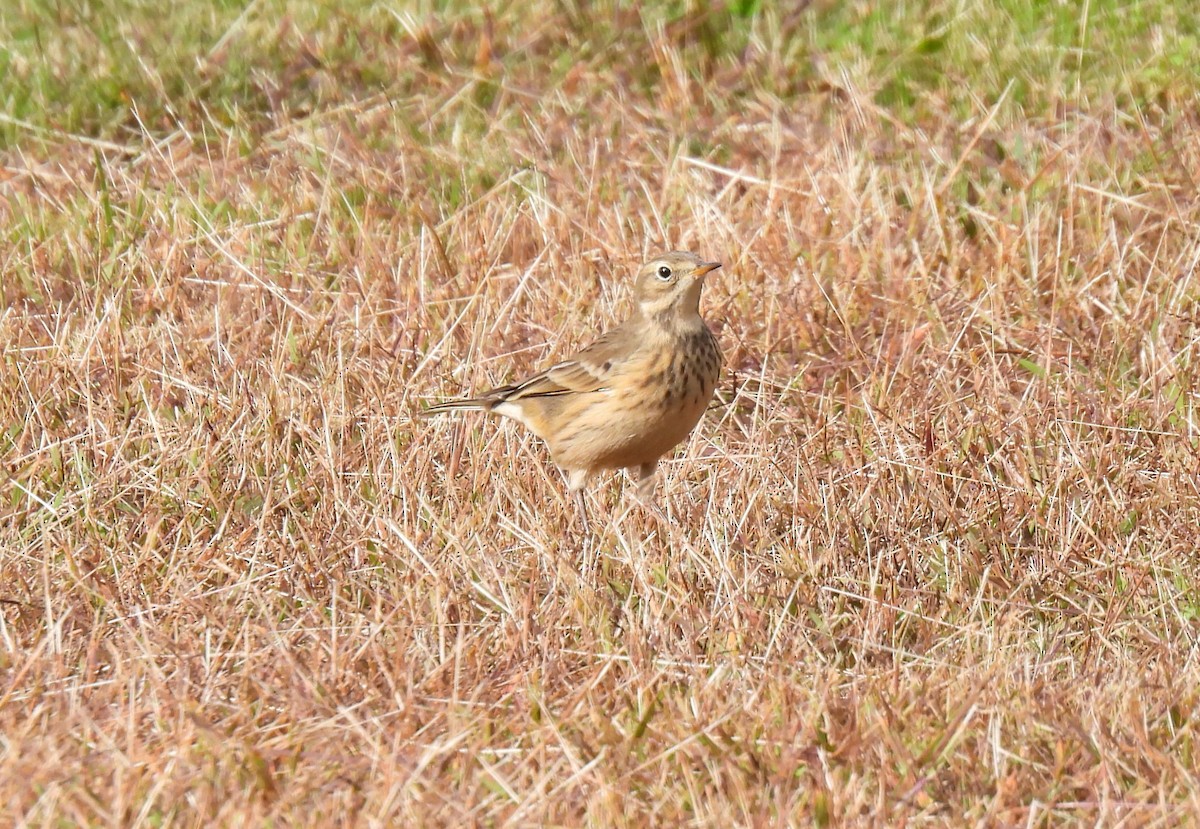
(629, 431)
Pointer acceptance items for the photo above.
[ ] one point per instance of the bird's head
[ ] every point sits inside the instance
(669, 284)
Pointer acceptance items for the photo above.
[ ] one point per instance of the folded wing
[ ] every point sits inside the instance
(588, 371)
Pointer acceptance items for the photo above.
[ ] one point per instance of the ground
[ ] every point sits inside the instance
(930, 558)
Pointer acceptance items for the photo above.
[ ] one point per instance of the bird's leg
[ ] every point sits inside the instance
(576, 481)
(643, 493)
(645, 481)
(581, 509)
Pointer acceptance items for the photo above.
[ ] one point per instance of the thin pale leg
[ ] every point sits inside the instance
(643, 493)
(576, 481)
(645, 481)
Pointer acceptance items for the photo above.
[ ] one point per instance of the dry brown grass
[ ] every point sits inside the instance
(933, 557)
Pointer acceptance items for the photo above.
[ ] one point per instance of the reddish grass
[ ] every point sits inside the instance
(931, 558)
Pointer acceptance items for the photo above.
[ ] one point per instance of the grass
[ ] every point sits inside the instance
(931, 558)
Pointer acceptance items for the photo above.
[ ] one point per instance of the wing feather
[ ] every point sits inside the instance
(587, 371)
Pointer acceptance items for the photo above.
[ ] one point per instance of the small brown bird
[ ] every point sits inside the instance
(632, 395)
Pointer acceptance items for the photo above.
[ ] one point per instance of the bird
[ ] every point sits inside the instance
(630, 397)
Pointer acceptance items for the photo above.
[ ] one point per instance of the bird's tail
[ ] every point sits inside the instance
(465, 405)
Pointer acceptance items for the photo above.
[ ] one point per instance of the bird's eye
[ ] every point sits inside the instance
(664, 272)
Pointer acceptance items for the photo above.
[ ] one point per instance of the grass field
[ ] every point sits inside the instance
(931, 559)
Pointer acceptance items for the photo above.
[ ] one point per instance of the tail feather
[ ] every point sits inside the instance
(464, 405)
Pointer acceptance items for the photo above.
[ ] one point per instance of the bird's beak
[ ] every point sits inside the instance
(706, 267)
